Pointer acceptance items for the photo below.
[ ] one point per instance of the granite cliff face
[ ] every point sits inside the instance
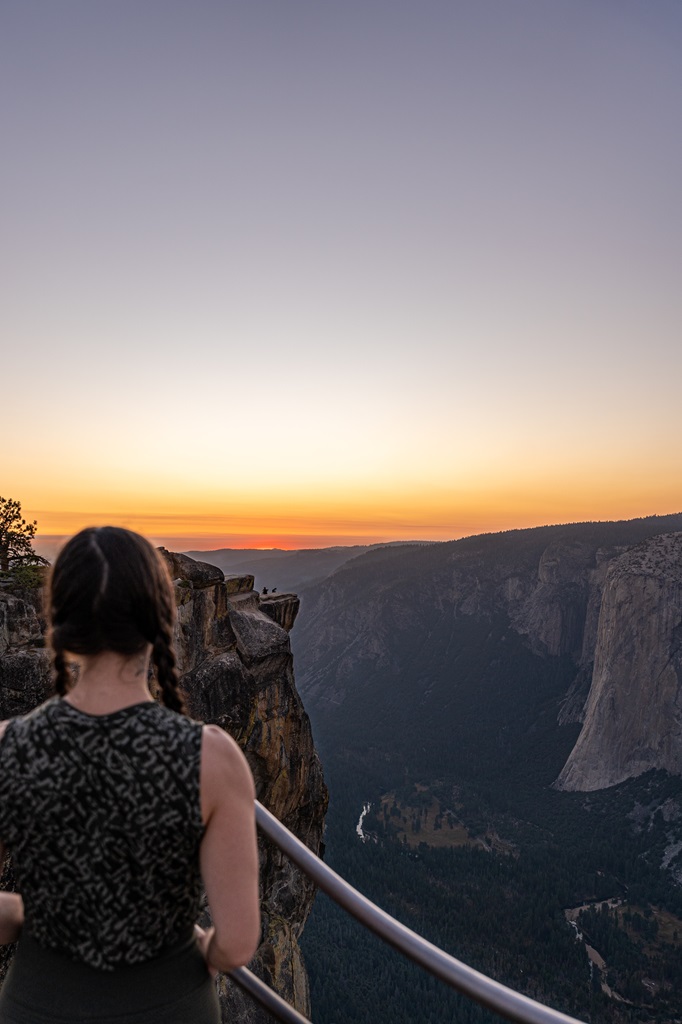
(236, 663)
(548, 584)
(633, 716)
(428, 629)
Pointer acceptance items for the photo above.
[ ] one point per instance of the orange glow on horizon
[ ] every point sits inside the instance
(315, 528)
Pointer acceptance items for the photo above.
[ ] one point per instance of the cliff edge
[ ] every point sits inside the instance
(237, 671)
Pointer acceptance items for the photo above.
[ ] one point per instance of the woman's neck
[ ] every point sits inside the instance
(109, 681)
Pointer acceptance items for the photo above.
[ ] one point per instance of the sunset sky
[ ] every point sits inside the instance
(299, 272)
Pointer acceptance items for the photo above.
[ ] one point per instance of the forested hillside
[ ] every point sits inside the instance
(438, 681)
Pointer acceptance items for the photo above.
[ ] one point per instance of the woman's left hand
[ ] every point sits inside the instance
(11, 916)
(203, 937)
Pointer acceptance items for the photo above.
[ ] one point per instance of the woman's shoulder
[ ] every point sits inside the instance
(21, 723)
(223, 764)
(219, 746)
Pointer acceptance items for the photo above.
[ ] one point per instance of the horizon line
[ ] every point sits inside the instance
(287, 542)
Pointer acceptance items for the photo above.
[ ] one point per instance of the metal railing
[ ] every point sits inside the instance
(490, 994)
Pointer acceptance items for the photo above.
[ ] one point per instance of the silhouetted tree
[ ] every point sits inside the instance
(16, 535)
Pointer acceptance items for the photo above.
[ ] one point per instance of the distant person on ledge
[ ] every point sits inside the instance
(118, 810)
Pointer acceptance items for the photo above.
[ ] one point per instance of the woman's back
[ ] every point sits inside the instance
(103, 817)
(115, 809)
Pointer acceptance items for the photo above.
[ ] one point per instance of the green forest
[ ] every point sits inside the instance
(504, 911)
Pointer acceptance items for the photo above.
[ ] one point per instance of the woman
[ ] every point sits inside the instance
(116, 809)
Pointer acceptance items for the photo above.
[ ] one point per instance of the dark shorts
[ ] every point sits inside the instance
(43, 987)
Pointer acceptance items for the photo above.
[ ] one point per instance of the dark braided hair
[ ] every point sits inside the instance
(62, 676)
(109, 590)
(163, 657)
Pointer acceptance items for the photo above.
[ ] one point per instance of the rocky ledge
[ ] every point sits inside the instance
(237, 671)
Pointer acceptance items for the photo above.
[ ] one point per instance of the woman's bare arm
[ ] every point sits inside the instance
(11, 903)
(229, 853)
(11, 912)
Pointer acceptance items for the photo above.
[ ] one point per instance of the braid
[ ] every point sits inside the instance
(62, 677)
(163, 657)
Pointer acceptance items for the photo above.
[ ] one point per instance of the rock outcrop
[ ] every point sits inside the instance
(24, 662)
(237, 671)
(633, 717)
(283, 608)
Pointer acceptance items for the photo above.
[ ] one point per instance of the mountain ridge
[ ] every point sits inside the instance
(290, 570)
(381, 621)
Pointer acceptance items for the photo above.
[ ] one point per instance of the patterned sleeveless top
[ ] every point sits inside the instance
(102, 816)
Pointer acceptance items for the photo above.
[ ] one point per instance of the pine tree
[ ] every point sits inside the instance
(16, 535)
